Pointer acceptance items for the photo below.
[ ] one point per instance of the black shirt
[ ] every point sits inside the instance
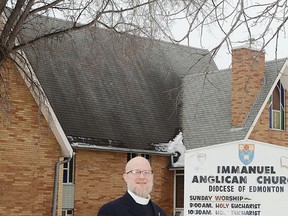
(148, 209)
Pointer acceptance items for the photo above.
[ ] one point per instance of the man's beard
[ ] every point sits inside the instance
(142, 192)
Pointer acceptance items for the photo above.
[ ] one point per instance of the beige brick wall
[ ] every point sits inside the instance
(28, 154)
(163, 183)
(263, 133)
(98, 179)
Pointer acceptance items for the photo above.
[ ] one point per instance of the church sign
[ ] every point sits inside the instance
(239, 178)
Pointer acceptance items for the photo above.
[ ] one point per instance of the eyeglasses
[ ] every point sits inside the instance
(138, 172)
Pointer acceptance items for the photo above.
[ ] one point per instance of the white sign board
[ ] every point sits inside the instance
(239, 178)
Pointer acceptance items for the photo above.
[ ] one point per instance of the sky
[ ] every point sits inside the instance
(223, 57)
(212, 36)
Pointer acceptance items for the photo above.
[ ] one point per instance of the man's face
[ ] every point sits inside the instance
(140, 184)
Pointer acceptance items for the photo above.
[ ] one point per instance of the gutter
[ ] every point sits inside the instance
(56, 182)
(117, 149)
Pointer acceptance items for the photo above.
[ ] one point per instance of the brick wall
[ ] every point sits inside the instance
(98, 179)
(247, 78)
(28, 154)
(263, 133)
(163, 183)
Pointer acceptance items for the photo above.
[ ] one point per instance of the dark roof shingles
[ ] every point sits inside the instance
(104, 85)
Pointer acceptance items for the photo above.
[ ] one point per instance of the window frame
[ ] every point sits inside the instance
(68, 168)
(178, 209)
(66, 213)
(132, 155)
(277, 117)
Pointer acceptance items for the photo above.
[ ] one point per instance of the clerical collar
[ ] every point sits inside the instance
(138, 199)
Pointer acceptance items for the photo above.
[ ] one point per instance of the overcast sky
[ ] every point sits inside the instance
(223, 58)
(212, 36)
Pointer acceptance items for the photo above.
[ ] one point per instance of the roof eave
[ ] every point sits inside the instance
(44, 105)
(117, 149)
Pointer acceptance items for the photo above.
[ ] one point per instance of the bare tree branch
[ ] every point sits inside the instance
(18, 25)
(262, 23)
(2, 5)
(45, 7)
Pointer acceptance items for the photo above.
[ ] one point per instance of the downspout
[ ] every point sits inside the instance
(56, 181)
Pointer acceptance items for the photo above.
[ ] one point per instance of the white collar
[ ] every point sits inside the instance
(138, 199)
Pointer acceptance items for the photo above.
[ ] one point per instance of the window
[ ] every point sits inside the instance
(179, 192)
(132, 155)
(68, 171)
(67, 212)
(277, 108)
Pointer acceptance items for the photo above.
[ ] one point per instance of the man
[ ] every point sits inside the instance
(137, 200)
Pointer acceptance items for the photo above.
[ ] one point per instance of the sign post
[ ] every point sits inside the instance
(239, 178)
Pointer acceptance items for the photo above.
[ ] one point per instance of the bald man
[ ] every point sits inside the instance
(137, 200)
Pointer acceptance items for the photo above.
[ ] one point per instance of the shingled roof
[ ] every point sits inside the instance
(207, 106)
(114, 90)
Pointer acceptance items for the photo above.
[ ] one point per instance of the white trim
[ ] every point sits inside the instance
(284, 70)
(46, 108)
(243, 141)
(44, 105)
